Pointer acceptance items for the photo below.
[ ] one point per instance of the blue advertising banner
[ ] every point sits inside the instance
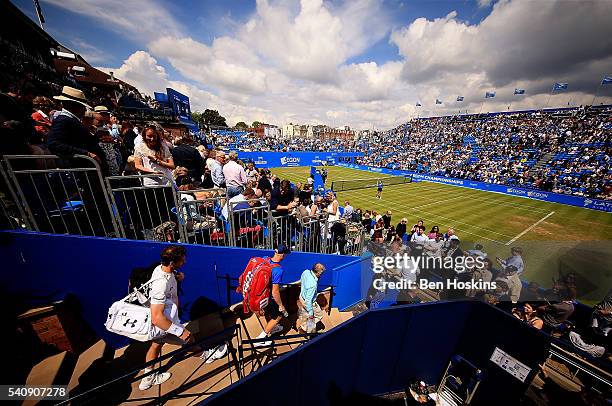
(588, 203)
(180, 104)
(285, 159)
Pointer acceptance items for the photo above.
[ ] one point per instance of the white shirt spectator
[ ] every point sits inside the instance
(236, 199)
(348, 211)
(419, 238)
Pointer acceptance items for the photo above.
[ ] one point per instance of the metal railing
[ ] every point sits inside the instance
(60, 195)
(144, 206)
(233, 358)
(70, 196)
(250, 223)
(200, 216)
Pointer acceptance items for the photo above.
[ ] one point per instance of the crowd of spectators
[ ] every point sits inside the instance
(497, 281)
(565, 151)
(247, 141)
(571, 149)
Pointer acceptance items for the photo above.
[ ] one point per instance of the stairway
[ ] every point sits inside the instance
(546, 158)
(192, 379)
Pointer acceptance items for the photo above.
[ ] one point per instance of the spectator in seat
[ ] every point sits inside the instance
(554, 315)
(283, 198)
(387, 219)
(67, 135)
(601, 320)
(527, 314)
(247, 194)
(435, 230)
(419, 237)
(401, 227)
(433, 247)
(235, 176)
(163, 296)
(188, 157)
(308, 308)
(251, 174)
(379, 227)
(42, 122)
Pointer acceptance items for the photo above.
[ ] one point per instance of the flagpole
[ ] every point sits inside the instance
(596, 92)
(481, 104)
(549, 96)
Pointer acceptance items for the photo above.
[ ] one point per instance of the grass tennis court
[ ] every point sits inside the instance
(555, 237)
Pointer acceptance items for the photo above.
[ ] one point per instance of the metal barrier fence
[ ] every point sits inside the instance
(200, 217)
(145, 207)
(60, 195)
(250, 224)
(69, 196)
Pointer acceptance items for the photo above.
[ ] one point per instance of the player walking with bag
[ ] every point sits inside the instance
(260, 288)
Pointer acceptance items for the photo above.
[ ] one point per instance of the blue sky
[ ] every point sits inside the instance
(359, 62)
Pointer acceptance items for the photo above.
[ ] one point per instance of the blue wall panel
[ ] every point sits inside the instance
(381, 350)
(96, 270)
(288, 159)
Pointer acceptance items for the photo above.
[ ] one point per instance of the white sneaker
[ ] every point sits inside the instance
(208, 355)
(276, 329)
(262, 343)
(221, 351)
(154, 379)
(214, 354)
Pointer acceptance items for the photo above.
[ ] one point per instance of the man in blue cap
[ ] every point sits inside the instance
(275, 310)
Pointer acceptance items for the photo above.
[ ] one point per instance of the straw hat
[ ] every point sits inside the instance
(101, 109)
(73, 95)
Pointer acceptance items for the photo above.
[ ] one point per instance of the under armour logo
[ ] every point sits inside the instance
(128, 322)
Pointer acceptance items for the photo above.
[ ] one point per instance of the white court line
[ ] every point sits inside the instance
(462, 230)
(436, 202)
(500, 202)
(525, 231)
(398, 204)
(460, 222)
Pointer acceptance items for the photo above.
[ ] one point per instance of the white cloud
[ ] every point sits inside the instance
(226, 64)
(520, 44)
(291, 62)
(311, 43)
(144, 19)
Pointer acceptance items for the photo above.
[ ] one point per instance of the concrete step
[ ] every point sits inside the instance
(99, 352)
(53, 370)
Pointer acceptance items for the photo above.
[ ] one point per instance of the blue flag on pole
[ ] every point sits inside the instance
(489, 95)
(519, 91)
(438, 101)
(418, 104)
(459, 98)
(607, 80)
(559, 86)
